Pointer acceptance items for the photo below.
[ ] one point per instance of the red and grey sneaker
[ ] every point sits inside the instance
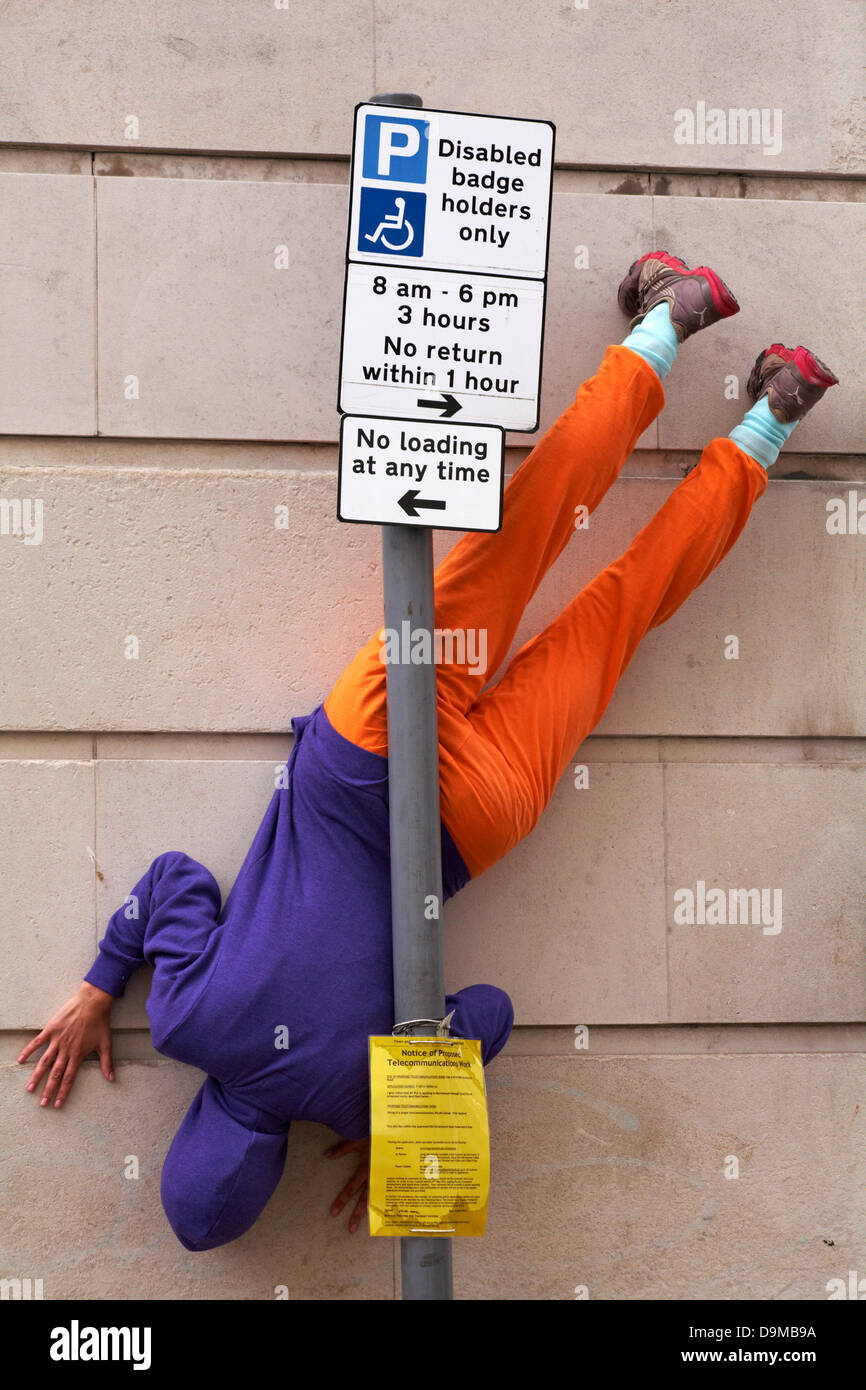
(695, 298)
(792, 379)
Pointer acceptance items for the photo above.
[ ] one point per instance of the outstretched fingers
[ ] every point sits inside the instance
(357, 1183)
(48, 1057)
(360, 1208)
(345, 1146)
(106, 1065)
(69, 1075)
(32, 1046)
(55, 1076)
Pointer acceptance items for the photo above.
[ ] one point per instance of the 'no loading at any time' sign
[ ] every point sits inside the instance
(421, 475)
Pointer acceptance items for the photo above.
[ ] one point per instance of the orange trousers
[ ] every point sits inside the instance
(502, 750)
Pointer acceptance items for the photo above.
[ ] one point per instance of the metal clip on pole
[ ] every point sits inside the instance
(419, 1026)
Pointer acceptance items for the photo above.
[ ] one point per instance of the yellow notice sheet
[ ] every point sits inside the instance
(430, 1152)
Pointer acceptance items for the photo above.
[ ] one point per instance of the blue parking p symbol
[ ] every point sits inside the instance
(395, 147)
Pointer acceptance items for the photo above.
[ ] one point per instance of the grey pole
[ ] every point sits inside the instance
(416, 851)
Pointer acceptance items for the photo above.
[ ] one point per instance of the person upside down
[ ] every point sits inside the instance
(303, 941)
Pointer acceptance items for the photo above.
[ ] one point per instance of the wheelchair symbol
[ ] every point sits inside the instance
(397, 222)
(391, 222)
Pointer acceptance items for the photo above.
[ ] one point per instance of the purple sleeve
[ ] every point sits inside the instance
(173, 881)
(482, 1011)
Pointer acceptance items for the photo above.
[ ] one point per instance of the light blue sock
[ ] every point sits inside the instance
(761, 435)
(655, 340)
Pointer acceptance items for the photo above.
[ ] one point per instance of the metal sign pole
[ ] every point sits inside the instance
(416, 850)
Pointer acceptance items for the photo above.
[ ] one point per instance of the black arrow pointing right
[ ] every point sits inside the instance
(410, 501)
(448, 406)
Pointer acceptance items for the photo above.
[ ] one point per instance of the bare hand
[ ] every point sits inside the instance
(81, 1026)
(357, 1182)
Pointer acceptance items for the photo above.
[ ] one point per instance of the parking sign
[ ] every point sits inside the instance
(450, 191)
(443, 312)
(396, 148)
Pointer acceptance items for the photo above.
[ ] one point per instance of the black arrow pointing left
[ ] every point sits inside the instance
(447, 406)
(410, 502)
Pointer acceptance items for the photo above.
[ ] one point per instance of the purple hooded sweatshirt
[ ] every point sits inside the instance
(275, 993)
